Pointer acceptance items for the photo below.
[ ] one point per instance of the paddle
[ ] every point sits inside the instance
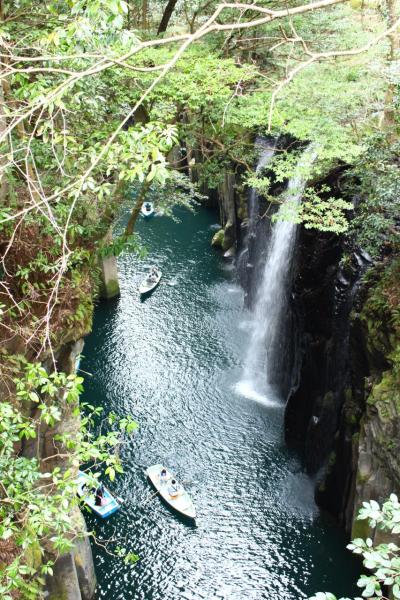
(86, 372)
(149, 498)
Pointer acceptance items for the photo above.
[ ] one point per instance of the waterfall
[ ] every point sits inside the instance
(255, 241)
(263, 364)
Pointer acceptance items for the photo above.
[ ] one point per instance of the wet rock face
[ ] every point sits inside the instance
(73, 576)
(376, 471)
(322, 300)
(345, 412)
(232, 212)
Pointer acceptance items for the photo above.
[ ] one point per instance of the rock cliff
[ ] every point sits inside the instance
(344, 414)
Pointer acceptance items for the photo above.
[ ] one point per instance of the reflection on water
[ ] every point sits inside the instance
(172, 362)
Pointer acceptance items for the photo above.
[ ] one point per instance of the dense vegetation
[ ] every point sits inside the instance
(98, 96)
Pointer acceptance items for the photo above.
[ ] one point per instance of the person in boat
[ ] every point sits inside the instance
(163, 476)
(153, 274)
(99, 495)
(174, 488)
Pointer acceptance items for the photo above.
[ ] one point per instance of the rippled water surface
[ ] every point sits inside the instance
(173, 362)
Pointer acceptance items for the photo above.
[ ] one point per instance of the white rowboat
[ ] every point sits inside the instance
(152, 280)
(109, 504)
(182, 503)
(147, 209)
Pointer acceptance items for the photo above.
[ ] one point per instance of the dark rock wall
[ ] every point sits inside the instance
(367, 443)
(229, 199)
(323, 294)
(344, 413)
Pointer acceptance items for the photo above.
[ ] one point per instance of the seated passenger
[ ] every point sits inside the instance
(164, 476)
(174, 489)
(99, 496)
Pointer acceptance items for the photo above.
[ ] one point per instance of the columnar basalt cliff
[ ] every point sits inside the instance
(230, 200)
(365, 462)
(74, 576)
(322, 298)
(344, 414)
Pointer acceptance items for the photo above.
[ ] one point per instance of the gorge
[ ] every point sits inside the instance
(264, 369)
(259, 533)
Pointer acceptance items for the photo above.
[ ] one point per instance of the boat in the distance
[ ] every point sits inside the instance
(147, 209)
(87, 493)
(181, 502)
(151, 281)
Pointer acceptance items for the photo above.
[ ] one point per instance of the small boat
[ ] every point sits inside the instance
(147, 209)
(152, 280)
(109, 504)
(182, 502)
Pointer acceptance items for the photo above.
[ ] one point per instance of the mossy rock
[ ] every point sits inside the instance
(360, 529)
(111, 288)
(229, 236)
(33, 555)
(218, 239)
(385, 393)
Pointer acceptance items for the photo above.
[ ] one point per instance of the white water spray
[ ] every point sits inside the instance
(262, 361)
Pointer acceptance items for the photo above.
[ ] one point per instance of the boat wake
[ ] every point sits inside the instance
(173, 281)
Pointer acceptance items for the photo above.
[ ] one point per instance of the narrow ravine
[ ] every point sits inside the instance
(172, 362)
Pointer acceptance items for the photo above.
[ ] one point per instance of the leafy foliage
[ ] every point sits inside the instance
(383, 559)
(31, 497)
(318, 211)
(376, 222)
(91, 111)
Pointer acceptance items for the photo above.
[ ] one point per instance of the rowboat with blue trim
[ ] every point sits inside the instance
(85, 491)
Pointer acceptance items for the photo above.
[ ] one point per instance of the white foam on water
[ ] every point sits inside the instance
(215, 226)
(247, 390)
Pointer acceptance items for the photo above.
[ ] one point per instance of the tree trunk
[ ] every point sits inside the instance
(169, 9)
(3, 158)
(3, 126)
(388, 120)
(144, 14)
(136, 209)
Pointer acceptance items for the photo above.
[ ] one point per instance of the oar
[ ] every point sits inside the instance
(86, 372)
(149, 498)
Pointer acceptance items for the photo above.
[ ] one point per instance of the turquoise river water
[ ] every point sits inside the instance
(173, 362)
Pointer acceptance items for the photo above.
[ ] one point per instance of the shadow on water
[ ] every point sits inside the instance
(171, 362)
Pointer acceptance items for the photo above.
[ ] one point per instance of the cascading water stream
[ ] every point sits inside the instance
(268, 148)
(263, 364)
(255, 243)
